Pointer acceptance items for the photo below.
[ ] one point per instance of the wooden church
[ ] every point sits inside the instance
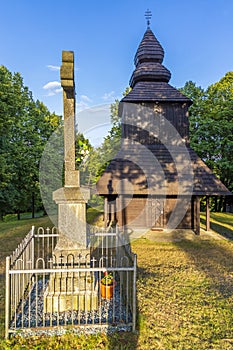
(156, 180)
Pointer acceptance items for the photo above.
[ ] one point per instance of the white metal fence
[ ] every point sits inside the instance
(46, 290)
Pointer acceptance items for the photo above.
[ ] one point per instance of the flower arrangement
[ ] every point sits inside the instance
(107, 280)
(107, 285)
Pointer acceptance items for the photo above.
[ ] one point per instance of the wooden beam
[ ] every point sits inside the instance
(197, 200)
(207, 214)
(192, 213)
(105, 211)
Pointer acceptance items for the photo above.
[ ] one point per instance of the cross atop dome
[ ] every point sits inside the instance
(148, 16)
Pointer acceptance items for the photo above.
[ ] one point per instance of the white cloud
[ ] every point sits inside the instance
(51, 67)
(53, 88)
(83, 103)
(52, 85)
(85, 98)
(81, 106)
(108, 96)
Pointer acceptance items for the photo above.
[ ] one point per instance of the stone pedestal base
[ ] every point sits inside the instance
(81, 294)
(67, 302)
(72, 217)
(71, 291)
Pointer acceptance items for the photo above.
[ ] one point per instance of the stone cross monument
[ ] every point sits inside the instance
(70, 291)
(71, 198)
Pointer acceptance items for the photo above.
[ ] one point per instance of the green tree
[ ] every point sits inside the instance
(211, 126)
(219, 110)
(25, 126)
(83, 148)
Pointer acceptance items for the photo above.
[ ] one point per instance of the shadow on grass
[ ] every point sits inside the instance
(122, 340)
(213, 258)
(222, 230)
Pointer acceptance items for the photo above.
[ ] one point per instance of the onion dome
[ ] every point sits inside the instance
(149, 81)
(148, 59)
(149, 50)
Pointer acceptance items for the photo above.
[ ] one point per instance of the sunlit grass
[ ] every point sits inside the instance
(221, 223)
(185, 294)
(224, 218)
(95, 216)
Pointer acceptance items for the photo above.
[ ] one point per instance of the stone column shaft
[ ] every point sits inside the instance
(71, 199)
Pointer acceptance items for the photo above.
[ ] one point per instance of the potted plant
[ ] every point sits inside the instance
(107, 284)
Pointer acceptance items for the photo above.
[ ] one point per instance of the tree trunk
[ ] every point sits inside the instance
(207, 214)
(18, 214)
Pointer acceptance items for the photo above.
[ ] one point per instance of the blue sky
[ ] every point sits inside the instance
(195, 34)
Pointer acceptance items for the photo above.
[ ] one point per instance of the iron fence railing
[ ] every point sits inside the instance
(50, 290)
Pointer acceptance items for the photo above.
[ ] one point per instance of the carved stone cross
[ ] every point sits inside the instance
(68, 85)
(71, 198)
(65, 291)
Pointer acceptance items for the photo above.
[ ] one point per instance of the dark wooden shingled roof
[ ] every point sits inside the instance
(150, 79)
(160, 172)
(149, 50)
(145, 91)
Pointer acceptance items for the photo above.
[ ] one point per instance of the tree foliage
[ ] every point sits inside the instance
(211, 125)
(25, 126)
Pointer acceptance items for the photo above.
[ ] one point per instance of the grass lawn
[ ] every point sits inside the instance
(221, 223)
(184, 291)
